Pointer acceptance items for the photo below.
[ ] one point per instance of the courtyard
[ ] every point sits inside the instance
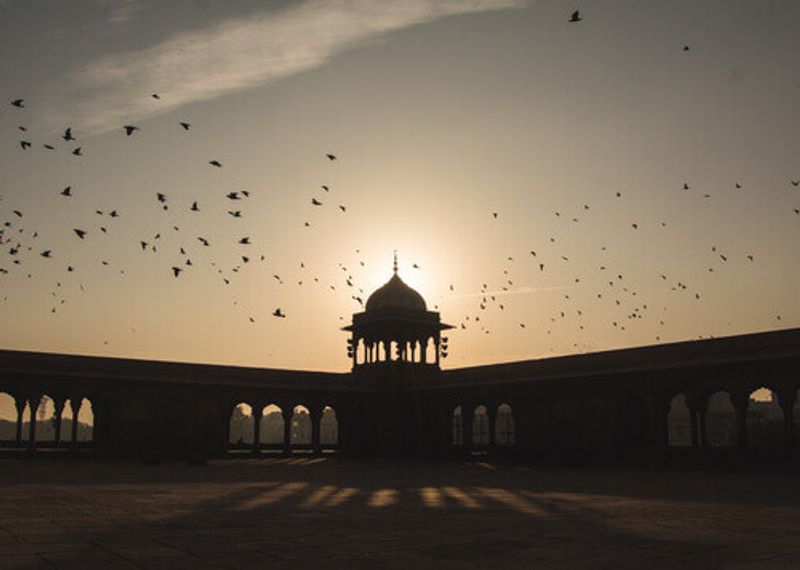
(336, 512)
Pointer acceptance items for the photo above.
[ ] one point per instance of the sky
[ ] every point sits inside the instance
(468, 135)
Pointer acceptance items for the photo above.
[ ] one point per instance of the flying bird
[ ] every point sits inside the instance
(176, 271)
(685, 185)
(245, 241)
(49, 147)
(67, 136)
(186, 126)
(45, 253)
(331, 156)
(155, 96)
(24, 144)
(130, 129)
(278, 313)
(575, 17)
(80, 233)
(236, 213)
(77, 152)
(342, 208)
(216, 163)
(18, 103)
(232, 196)
(204, 241)
(326, 188)
(315, 202)
(67, 191)
(195, 207)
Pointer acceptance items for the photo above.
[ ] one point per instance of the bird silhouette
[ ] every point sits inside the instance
(278, 313)
(19, 103)
(155, 96)
(216, 163)
(204, 241)
(24, 144)
(232, 196)
(575, 17)
(176, 271)
(342, 208)
(685, 48)
(80, 233)
(77, 152)
(195, 207)
(45, 253)
(326, 188)
(331, 156)
(130, 129)
(795, 182)
(49, 147)
(67, 136)
(315, 202)
(685, 185)
(235, 213)
(67, 191)
(186, 126)
(245, 241)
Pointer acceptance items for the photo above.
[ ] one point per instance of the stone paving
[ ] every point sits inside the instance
(346, 513)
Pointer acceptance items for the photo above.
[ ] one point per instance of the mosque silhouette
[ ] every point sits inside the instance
(397, 401)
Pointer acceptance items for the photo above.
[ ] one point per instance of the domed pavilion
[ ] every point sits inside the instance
(396, 327)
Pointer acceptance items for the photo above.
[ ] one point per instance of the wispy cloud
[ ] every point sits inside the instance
(202, 64)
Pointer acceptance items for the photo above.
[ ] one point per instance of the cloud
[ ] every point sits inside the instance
(203, 64)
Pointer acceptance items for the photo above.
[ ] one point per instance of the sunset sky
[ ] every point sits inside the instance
(440, 114)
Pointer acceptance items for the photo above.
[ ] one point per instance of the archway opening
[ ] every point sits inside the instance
(300, 436)
(85, 434)
(328, 429)
(504, 428)
(272, 427)
(720, 420)
(679, 423)
(8, 418)
(480, 429)
(457, 428)
(46, 421)
(240, 427)
(764, 419)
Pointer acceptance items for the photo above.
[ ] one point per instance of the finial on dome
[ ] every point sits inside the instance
(394, 267)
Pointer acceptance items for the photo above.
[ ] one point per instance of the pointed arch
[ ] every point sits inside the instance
(679, 423)
(300, 435)
(241, 426)
(505, 428)
(480, 428)
(272, 426)
(8, 417)
(329, 428)
(765, 427)
(720, 420)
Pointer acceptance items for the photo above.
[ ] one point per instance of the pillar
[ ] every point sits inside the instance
(436, 348)
(258, 413)
(19, 403)
(59, 410)
(491, 416)
(468, 413)
(288, 414)
(740, 405)
(76, 408)
(32, 434)
(315, 415)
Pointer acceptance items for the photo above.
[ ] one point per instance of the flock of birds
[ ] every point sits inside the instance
(619, 290)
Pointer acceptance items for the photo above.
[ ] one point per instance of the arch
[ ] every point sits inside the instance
(457, 430)
(480, 428)
(8, 417)
(765, 426)
(300, 435)
(720, 420)
(272, 426)
(67, 419)
(241, 425)
(46, 420)
(328, 428)
(504, 428)
(429, 350)
(86, 421)
(25, 434)
(679, 423)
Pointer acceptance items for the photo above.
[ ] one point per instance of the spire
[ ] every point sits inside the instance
(394, 267)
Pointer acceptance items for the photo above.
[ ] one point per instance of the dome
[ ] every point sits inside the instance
(395, 294)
